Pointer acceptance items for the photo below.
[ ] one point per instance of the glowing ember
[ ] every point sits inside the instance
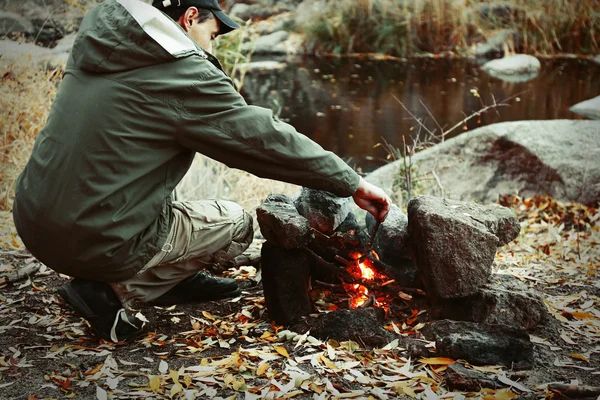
(366, 272)
(361, 294)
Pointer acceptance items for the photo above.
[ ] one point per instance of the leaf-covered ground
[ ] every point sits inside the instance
(229, 349)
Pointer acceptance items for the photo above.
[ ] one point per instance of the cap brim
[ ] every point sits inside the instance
(227, 24)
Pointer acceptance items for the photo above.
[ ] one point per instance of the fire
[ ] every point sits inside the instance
(366, 272)
(361, 294)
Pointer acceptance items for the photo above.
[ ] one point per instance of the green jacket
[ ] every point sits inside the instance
(138, 99)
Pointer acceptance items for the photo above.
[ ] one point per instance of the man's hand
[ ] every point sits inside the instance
(373, 199)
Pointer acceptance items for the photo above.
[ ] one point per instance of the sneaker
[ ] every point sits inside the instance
(99, 305)
(198, 288)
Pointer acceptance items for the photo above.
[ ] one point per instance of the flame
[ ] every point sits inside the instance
(361, 295)
(366, 272)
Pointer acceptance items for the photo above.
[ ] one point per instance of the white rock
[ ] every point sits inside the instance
(259, 66)
(517, 68)
(558, 157)
(238, 9)
(589, 108)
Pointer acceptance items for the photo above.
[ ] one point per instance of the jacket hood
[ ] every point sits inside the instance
(120, 35)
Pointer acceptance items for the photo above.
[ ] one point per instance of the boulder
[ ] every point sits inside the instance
(324, 211)
(504, 300)
(271, 44)
(516, 68)
(481, 344)
(262, 66)
(14, 23)
(256, 11)
(308, 9)
(589, 108)
(453, 249)
(556, 157)
(281, 224)
(363, 325)
(391, 240)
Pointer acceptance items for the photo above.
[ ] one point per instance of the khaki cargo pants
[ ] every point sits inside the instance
(203, 232)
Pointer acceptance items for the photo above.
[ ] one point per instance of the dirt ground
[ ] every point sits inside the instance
(229, 349)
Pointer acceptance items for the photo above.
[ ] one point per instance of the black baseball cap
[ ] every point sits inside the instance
(227, 24)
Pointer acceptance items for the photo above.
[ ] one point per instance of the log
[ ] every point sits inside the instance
(575, 391)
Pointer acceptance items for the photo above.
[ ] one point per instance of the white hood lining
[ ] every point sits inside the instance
(160, 27)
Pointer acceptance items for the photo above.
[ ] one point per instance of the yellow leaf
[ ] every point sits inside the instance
(174, 376)
(240, 386)
(176, 389)
(582, 315)
(409, 392)
(281, 350)
(187, 380)
(265, 335)
(262, 368)
(437, 361)
(70, 395)
(579, 357)
(208, 315)
(196, 326)
(504, 394)
(154, 383)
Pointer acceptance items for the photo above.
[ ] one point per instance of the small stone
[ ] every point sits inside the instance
(280, 223)
(325, 211)
(504, 300)
(481, 344)
(459, 377)
(363, 326)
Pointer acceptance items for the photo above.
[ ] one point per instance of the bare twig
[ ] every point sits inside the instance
(20, 273)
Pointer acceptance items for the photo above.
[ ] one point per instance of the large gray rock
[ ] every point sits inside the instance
(504, 300)
(557, 157)
(589, 108)
(281, 224)
(271, 44)
(515, 68)
(14, 23)
(481, 344)
(391, 240)
(453, 243)
(324, 211)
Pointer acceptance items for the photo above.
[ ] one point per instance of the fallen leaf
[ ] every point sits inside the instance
(437, 361)
(281, 350)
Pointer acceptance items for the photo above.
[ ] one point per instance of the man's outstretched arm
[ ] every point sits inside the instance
(217, 122)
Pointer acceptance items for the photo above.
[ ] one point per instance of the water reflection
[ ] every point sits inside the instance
(349, 106)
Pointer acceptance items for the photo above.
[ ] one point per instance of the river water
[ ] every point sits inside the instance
(349, 106)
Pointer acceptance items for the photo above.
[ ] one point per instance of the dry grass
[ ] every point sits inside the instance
(209, 179)
(406, 28)
(26, 94)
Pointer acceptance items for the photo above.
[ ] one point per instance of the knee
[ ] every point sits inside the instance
(244, 230)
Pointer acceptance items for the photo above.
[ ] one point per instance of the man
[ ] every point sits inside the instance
(140, 96)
